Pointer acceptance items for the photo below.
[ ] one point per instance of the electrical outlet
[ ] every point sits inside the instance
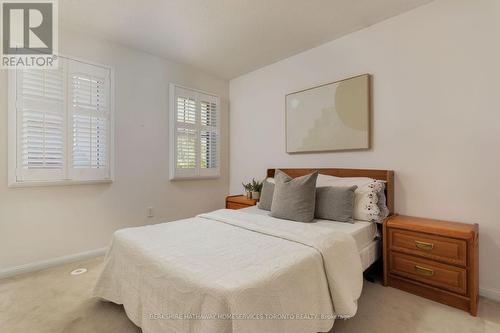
(151, 212)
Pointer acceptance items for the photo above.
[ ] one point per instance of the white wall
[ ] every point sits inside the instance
(48, 222)
(436, 114)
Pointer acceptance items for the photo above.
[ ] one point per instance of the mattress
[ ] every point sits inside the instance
(364, 233)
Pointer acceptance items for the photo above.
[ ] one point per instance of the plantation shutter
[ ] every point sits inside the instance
(40, 124)
(194, 134)
(209, 134)
(89, 113)
(185, 133)
(63, 122)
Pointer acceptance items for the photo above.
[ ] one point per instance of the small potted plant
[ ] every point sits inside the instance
(256, 188)
(248, 189)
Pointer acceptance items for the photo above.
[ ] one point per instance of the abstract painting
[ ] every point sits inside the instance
(330, 117)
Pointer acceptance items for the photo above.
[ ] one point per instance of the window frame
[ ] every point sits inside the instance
(199, 173)
(12, 133)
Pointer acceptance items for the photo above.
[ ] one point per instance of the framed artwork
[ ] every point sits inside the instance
(330, 117)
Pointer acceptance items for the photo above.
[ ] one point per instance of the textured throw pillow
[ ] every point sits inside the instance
(294, 198)
(335, 203)
(366, 202)
(266, 195)
(382, 204)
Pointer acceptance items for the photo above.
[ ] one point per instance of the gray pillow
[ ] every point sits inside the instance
(294, 198)
(335, 203)
(266, 195)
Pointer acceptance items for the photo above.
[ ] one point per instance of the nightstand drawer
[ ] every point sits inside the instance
(436, 274)
(234, 205)
(448, 250)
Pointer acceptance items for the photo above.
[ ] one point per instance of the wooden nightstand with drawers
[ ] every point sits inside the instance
(239, 201)
(433, 259)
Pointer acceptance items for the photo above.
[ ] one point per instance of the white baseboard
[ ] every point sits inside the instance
(39, 265)
(490, 293)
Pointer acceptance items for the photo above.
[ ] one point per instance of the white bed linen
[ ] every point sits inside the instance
(370, 253)
(364, 233)
(231, 262)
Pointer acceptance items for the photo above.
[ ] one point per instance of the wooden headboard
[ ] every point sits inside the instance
(386, 175)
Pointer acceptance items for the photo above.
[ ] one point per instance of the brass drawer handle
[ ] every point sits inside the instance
(424, 271)
(424, 245)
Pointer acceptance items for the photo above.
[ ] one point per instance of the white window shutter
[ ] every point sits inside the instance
(186, 150)
(60, 124)
(209, 134)
(41, 121)
(89, 112)
(194, 128)
(186, 109)
(186, 136)
(184, 147)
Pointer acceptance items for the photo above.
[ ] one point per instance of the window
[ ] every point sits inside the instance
(194, 133)
(60, 124)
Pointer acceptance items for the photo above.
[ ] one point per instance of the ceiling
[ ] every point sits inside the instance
(227, 37)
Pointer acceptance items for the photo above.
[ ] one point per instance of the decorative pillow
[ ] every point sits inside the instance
(382, 204)
(266, 195)
(365, 203)
(335, 203)
(294, 198)
(369, 202)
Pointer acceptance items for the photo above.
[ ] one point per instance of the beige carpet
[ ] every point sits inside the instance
(54, 301)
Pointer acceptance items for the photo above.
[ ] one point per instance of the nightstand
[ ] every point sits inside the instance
(239, 201)
(433, 259)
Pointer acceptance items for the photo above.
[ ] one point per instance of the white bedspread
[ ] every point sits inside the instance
(230, 271)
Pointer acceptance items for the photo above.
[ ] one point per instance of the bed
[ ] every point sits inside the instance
(365, 234)
(242, 271)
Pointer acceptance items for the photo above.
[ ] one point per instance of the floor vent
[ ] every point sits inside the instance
(79, 271)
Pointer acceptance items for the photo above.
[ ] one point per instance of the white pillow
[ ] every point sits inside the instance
(324, 180)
